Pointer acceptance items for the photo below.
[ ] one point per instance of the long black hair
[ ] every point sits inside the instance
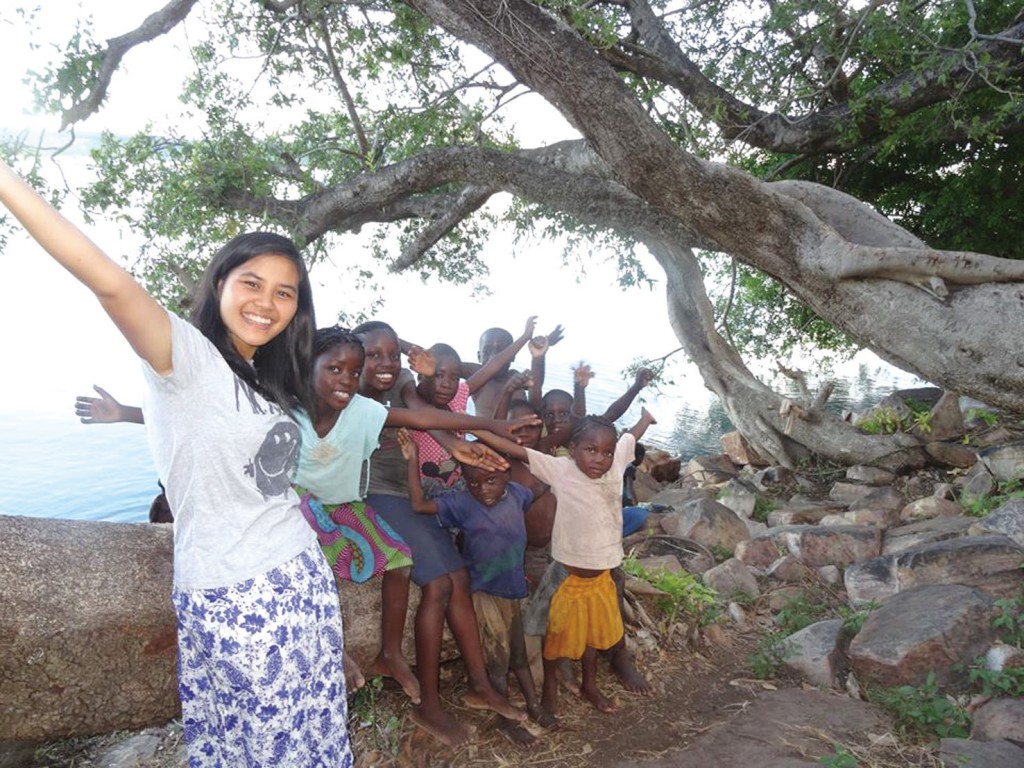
(282, 368)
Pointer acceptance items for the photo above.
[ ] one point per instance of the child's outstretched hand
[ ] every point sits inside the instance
(538, 346)
(531, 326)
(476, 454)
(513, 427)
(98, 410)
(645, 415)
(408, 445)
(556, 335)
(581, 374)
(521, 380)
(421, 361)
(644, 376)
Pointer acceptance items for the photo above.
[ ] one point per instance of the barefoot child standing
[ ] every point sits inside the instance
(587, 540)
(490, 514)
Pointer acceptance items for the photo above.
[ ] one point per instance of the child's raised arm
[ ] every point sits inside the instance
(646, 419)
(142, 321)
(488, 370)
(105, 409)
(515, 450)
(620, 406)
(516, 383)
(581, 376)
(412, 458)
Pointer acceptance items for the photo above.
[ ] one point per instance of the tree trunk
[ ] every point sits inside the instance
(753, 407)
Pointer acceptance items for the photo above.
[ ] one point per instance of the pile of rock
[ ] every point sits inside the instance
(901, 547)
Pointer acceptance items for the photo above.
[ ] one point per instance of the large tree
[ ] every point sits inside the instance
(740, 131)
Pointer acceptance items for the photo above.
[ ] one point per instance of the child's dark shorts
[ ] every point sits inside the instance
(433, 553)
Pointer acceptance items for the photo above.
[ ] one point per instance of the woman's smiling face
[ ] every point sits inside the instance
(257, 301)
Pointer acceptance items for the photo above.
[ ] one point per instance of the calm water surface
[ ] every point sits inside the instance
(53, 466)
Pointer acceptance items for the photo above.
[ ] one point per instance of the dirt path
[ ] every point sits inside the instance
(695, 690)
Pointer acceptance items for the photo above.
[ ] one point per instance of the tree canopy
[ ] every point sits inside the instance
(742, 132)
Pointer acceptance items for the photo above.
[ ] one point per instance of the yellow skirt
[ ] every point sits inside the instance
(584, 613)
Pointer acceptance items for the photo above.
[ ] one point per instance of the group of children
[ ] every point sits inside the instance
(384, 475)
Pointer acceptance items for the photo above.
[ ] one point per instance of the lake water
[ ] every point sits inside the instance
(53, 466)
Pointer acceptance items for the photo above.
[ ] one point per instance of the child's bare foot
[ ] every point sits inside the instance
(515, 733)
(541, 716)
(397, 669)
(354, 679)
(601, 702)
(441, 726)
(567, 677)
(630, 677)
(495, 702)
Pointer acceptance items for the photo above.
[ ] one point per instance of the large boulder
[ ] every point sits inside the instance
(813, 653)
(707, 522)
(921, 631)
(924, 532)
(991, 563)
(88, 637)
(813, 545)
(88, 642)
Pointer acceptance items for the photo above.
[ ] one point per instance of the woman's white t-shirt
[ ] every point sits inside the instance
(225, 455)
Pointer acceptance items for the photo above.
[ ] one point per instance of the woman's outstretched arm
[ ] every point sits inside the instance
(141, 320)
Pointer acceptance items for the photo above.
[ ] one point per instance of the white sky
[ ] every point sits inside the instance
(63, 343)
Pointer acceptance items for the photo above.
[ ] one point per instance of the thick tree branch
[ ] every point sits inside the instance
(468, 201)
(156, 24)
(659, 57)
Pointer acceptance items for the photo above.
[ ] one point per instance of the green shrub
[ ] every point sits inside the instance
(684, 592)
(923, 711)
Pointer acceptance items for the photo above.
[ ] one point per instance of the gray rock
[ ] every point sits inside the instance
(813, 545)
(977, 487)
(730, 577)
(887, 499)
(88, 637)
(739, 451)
(710, 470)
(924, 532)
(929, 507)
(830, 575)
(707, 522)
(1006, 461)
(771, 478)
(738, 496)
(964, 753)
(813, 652)
(947, 420)
(999, 719)
(847, 493)
(1007, 519)
(951, 454)
(869, 475)
(803, 513)
(139, 749)
(920, 631)
(677, 498)
(991, 563)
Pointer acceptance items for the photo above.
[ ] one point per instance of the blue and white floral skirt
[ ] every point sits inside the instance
(260, 669)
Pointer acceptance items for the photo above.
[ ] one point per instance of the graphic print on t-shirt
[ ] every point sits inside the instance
(275, 460)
